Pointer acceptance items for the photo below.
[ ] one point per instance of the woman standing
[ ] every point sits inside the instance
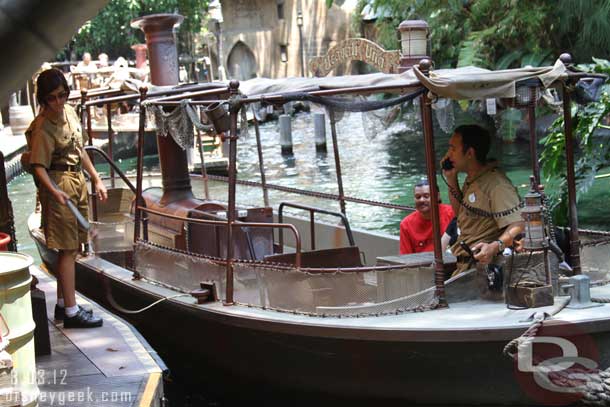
(57, 159)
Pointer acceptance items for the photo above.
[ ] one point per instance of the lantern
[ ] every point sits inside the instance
(534, 223)
(524, 95)
(413, 43)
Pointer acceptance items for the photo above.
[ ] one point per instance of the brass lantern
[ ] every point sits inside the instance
(531, 213)
(413, 43)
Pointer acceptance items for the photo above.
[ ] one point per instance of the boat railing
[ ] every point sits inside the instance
(235, 224)
(115, 168)
(113, 165)
(312, 224)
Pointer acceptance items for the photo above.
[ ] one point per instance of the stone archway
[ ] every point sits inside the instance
(241, 62)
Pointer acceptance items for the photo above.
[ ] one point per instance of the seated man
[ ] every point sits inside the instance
(86, 65)
(487, 206)
(416, 228)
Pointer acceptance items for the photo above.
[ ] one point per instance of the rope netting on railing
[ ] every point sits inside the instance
(380, 290)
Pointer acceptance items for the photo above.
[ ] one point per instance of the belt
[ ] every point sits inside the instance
(464, 259)
(65, 167)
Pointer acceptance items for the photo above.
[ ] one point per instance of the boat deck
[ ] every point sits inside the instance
(111, 366)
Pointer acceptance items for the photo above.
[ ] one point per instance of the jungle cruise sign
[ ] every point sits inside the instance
(356, 49)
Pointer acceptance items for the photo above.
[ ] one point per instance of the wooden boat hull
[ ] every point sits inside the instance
(245, 355)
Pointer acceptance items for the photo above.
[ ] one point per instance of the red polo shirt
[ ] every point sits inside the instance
(416, 232)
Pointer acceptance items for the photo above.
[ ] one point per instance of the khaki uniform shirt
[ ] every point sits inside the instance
(59, 140)
(490, 191)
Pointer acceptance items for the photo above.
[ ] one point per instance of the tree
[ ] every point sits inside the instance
(503, 33)
(593, 151)
(110, 30)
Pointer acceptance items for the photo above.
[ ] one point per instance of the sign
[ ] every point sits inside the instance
(356, 49)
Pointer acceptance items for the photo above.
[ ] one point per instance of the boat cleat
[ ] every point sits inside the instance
(579, 289)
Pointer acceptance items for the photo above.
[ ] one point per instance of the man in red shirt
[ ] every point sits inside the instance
(416, 228)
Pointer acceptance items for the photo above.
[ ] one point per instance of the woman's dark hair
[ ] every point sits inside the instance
(47, 82)
(476, 137)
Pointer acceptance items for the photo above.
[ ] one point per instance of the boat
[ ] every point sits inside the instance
(271, 298)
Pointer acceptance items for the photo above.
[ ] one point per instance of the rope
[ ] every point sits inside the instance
(593, 384)
(119, 308)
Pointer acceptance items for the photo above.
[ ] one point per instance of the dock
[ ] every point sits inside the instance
(111, 366)
(11, 147)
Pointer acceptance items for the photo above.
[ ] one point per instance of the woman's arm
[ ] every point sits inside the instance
(100, 188)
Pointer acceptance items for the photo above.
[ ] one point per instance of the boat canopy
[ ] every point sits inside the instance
(461, 83)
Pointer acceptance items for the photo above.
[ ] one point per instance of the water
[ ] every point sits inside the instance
(377, 164)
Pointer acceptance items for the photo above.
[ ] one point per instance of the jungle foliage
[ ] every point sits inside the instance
(110, 30)
(592, 139)
(501, 34)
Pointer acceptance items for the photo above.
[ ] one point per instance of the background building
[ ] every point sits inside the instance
(260, 38)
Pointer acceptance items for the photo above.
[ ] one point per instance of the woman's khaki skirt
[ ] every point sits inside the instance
(60, 227)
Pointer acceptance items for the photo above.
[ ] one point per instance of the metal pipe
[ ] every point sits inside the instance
(301, 48)
(86, 121)
(110, 139)
(155, 94)
(182, 95)
(312, 209)
(112, 165)
(237, 224)
(234, 85)
(140, 165)
(204, 171)
(426, 113)
(163, 57)
(275, 98)
(571, 179)
(333, 130)
(261, 165)
(531, 110)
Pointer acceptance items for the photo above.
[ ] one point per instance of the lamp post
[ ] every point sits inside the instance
(300, 25)
(413, 43)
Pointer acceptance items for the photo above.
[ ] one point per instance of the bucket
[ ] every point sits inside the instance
(19, 118)
(4, 241)
(16, 308)
(219, 117)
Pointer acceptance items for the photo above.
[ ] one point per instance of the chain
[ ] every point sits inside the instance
(478, 211)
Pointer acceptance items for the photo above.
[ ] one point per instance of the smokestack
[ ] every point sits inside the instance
(163, 62)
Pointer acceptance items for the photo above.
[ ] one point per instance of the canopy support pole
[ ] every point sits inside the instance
(234, 109)
(261, 165)
(571, 178)
(531, 110)
(574, 239)
(110, 140)
(439, 266)
(333, 130)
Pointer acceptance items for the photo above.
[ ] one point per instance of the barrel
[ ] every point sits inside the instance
(16, 308)
(4, 241)
(19, 118)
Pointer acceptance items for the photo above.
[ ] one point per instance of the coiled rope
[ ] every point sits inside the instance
(593, 384)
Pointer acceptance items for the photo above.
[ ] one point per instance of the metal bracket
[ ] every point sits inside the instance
(579, 288)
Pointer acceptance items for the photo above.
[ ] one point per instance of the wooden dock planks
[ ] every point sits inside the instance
(109, 366)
